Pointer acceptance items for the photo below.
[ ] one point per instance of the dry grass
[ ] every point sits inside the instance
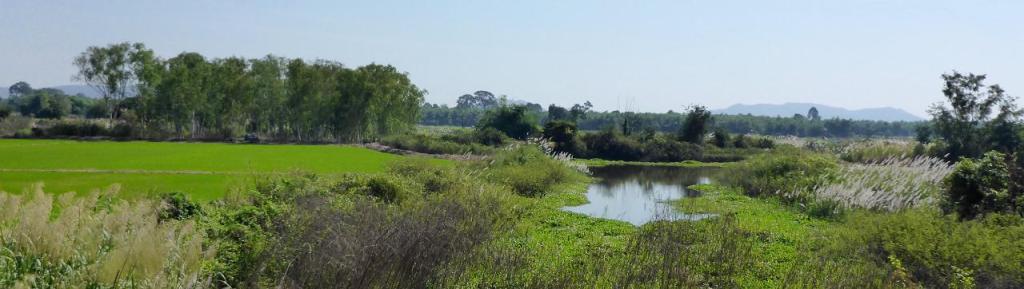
(77, 242)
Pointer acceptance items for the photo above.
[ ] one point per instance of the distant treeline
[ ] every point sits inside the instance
(468, 114)
(193, 97)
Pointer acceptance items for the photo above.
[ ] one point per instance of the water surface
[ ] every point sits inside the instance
(639, 194)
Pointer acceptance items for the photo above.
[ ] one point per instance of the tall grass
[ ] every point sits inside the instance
(94, 241)
(876, 151)
(892, 184)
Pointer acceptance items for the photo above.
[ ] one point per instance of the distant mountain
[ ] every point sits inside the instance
(790, 108)
(71, 89)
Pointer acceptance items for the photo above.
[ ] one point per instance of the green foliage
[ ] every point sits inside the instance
(487, 136)
(189, 96)
(512, 120)
(434, 145)
(528, 171)
(669, 122)
(787, 173)
(968, 127)
(564, 136)
(384, 188)
(178, 206)
(982, 186)
(695, 125)
(940, 251)
(720, 138)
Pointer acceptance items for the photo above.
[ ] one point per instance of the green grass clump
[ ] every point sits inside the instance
(529, 171)
(787, 173)
(435, 145)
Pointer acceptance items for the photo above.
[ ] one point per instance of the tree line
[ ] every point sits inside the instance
(47, 103)
(468, 113)
(190, 96)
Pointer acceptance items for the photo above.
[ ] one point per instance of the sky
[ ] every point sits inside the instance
(626, 55)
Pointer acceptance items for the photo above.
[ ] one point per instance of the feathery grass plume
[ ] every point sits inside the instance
(875, 151)
(93, 241)
(563, 157)
(891, 184)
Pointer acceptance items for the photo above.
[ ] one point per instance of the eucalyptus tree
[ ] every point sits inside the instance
(114, 70)
(182, 96)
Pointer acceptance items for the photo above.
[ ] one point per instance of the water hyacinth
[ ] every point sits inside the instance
(892, 184)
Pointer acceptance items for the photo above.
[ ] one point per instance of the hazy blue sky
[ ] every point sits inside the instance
(639, 55)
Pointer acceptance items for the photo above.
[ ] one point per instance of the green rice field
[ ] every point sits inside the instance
(204, 170)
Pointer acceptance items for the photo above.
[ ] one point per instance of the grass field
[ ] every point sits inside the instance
(204, 170)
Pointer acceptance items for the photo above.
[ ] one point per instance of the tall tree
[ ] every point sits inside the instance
(20, 88)
(695, 125)
(480, 99)
(812, 114)
(111, 70)
(971, 103)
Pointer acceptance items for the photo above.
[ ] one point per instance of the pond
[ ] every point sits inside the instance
(640, 194)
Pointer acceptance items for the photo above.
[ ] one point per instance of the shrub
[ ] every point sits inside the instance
(490, 136)
(75, 129)
(563, 135)
(16, 125)
(939, 250)
(612, 145)
(662, 149)
(978, 187)
(370, 245)
(177, 206)
(513, 120)
(433, 145)
(529, 171)
(384, 188)
(721, 138)
(790, 173)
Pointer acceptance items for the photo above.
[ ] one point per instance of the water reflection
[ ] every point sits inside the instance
(637, 194)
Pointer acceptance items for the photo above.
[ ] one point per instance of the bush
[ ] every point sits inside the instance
(402, 229)
(385, 188)
(529, 172)
(721, 138)
(563, 135)
(612, 145)
(789, 173)
(938, 251)
(978, 187)
(432, 145)
(177, 206)
(490, 136)
(512, 120)
(662, 149)
(75, 129)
